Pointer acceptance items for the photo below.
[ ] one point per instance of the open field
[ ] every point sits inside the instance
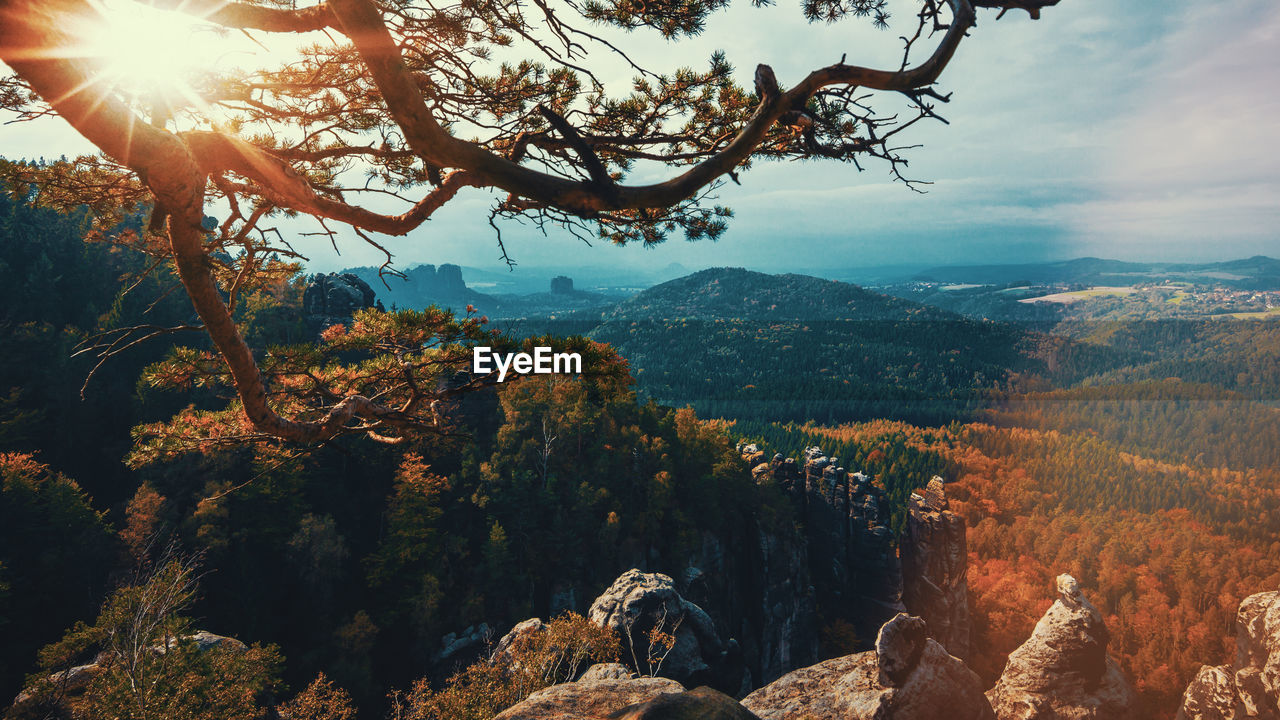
(1077, 295)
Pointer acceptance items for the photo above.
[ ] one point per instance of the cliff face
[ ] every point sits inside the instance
(851, 552)
(907, 676)
(934, 568)
(638, 605)
(1063, 671)
(333, 297)
(757, 587)
(764, 587)
(428, 281)
(1250, 688)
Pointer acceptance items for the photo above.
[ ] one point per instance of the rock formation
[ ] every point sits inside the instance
(1063, 671)
(701, 703)
(908, 676)
(638, 606)
(607, 671)
(521, 629)
(626, 699)
(784, 635)
(588, 699)
(463, 648)
(1250, 689)
(934, 568)
(74, 681)
(424, 283)
(852, 553)
(561, 285)
(334, 296)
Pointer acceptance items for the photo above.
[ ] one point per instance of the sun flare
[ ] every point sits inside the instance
(144, 51)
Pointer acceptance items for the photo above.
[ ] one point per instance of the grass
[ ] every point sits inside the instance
(1074, 295)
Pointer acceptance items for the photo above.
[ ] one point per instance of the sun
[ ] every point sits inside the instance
(144, 50)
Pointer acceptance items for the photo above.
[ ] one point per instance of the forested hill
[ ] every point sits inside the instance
(747, 345)
(737, 294)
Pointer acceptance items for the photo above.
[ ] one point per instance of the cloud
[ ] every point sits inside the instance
(1131, 130)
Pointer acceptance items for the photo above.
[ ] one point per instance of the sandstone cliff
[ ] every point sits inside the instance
(851, 552)
(639, 606)
(335, 295)
(1063, 671)
(1250, 688)
(935, 566)
(907, 677)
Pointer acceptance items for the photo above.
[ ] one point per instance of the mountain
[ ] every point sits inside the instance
(420, 286)
(424, 285)
(743, 344)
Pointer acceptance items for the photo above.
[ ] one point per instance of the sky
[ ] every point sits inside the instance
(1129, 130)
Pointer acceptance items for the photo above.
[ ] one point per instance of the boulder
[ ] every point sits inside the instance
(74, 681)
(908, 677)
(1211, 695)
(588, 699)
(1062, 671)
(1250, 689)
(607, 671)
(206, 640)
(637, 605)
(68, 683)
(524, 628)
(702, 703)
(462, 648)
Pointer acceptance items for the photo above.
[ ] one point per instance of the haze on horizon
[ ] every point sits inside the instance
(1127, 131)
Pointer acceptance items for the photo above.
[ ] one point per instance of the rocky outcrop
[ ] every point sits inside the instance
(785, 634)
(334, 296)
(702, 703)
(607, 671)
(934, 568)
(424, 283)
(588, 699)
(1063, 671)
(644, 607)
(561, 285)
(68, 684)
(522, 629)
(909, 676)
(851, 552)
(463, 648)
(1250, 688)
(1212, 695)
(626, 699)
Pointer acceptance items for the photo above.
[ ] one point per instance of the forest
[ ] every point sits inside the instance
(235, 487)
(350, 561)
(1147, 479)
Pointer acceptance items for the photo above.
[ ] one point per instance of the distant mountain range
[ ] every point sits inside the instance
(424, 285)
(1255, 273)
(750, 345)
(526, 291)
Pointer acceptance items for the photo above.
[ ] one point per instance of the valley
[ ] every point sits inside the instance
(1136, 453)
